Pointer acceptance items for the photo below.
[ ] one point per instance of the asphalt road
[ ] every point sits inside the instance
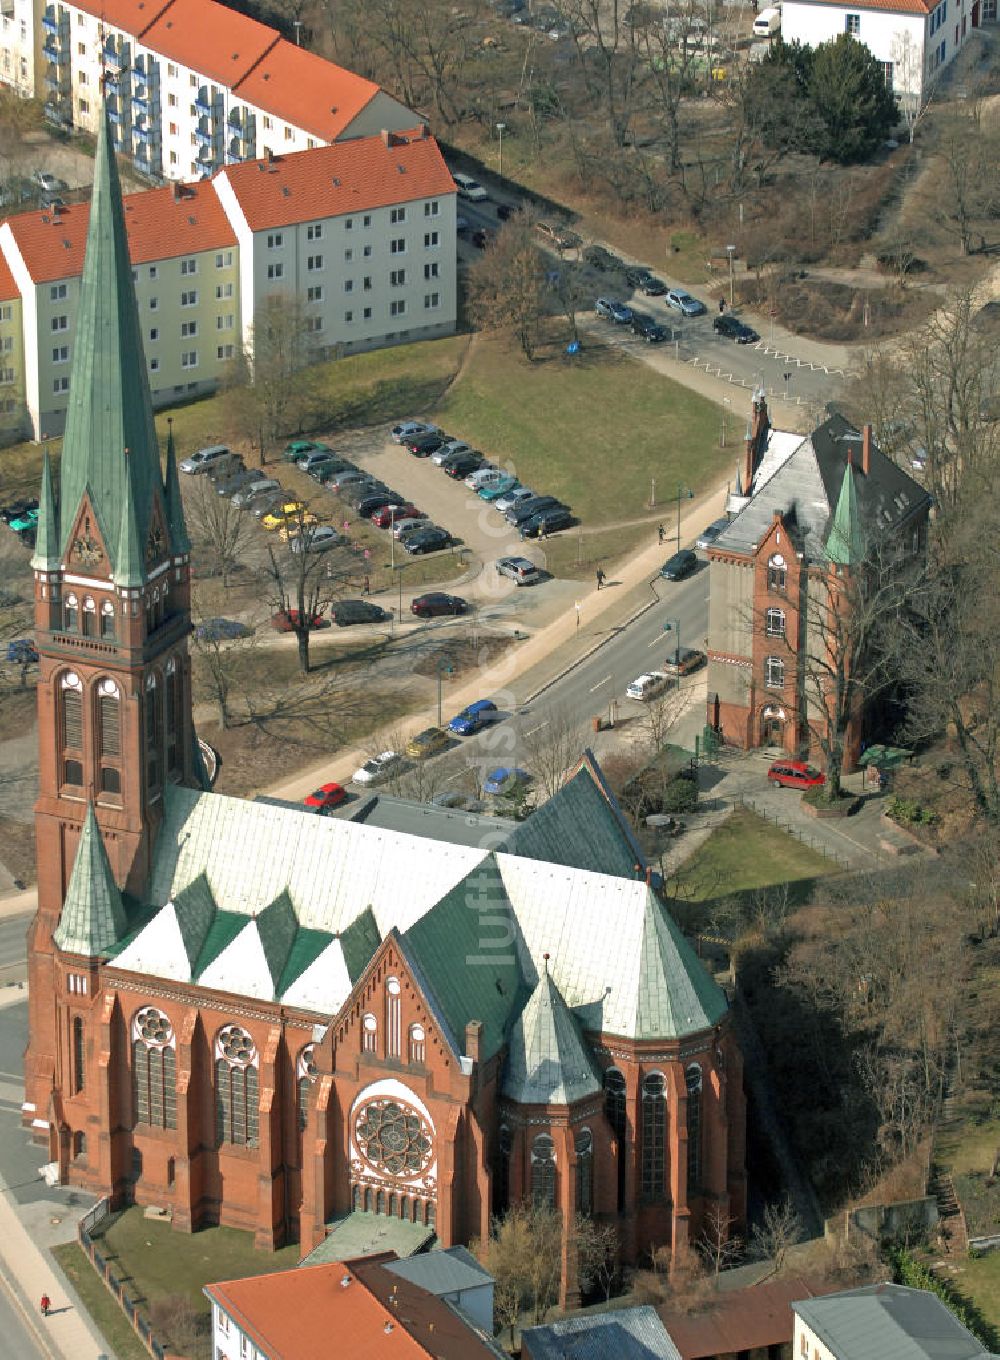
(13, 950)
(18, 1343)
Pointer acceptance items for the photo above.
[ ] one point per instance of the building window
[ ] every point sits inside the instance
(393, 1002)
(774, 623)
(60, 355)
(154, 333)
(154, 365)
(432, 300)
(72, 713)
(189, 266)
(314, 232)
(614, 1110)
(348, 285)
(306, 1072)
(366, 252)
(349, 224)
(154, 1069)
(235, 1087)
(431, 270)
(431, 239)
(223, 290)
(108, 629)
(153, 733)
(225, 351)
(60, 323)
(314, 325)
(366, 221)
(774, 672)
(348, 317)
(431, 209)
(418, 1045)
(79, 1067)
(275, 240)
(397, 308)
(275, 271)
(585, 1172)
(154, 304)
(57, 292)
(367, 314)
(315, 293)
(109, 712)
(692, 1079)
(61, 385)
(397, 246)
(224, 259)
(777, 572)
(543, 1171)
(397, 215)
(369, 1034)
(71, 618)
(188, 328)
(654, 1135)
(397, 278)
(366, 283)
(189, 359)
(189, 299)
(852, 24)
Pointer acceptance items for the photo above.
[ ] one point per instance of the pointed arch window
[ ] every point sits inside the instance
(614, 1109)
(306, 1073)
(418, 1045)
(154, 1069)
(173, 722)
(585, 1172)
(154, 732)
(236, 1087)
(369, 1034)
(774, 672)
(774, 623)
(71, 613)
(79, 1055)
(654, 1135)
(108, 627)
(393, 1018)
(692, 1079)
(543, 1171)
(89, 616)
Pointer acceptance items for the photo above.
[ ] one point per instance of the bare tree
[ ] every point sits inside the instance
(300, 584)
(524, 1256)
(272, 386)
(718, 1245)
(551, 747)
(225, 529)
(778, 1230)
(964, 191)
(598, 1248)
(908, 76)
(222, 665)
(506, 288)
(662, 712)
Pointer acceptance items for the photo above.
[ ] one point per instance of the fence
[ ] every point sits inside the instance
(813, 844)
(93, 1220)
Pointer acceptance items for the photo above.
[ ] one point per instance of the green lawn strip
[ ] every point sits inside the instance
(746, 853)
(577, 556)
(978, 1279)
(103, 1309)
(593, 432)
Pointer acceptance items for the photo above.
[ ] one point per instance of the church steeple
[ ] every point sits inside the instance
(110, 450)
(48, 546)
(179, 540)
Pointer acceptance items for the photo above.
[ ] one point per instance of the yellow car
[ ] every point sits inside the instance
(427, 743)
(293, 527)
(275, 518)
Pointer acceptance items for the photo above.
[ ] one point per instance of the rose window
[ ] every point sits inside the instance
(153, 1027)
(394, 1138)
(235, 1046)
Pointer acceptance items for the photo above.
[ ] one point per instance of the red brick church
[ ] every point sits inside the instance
(254, 1016)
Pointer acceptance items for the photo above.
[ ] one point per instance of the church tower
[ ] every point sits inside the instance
(112, 618)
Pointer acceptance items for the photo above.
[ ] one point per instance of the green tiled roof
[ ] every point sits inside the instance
(93, 917)
(179, 541)
(548, 1062)
(306, 949)
(580, 826)
(464, 953)
(225, 926)
(195, 908)
(676, 995)
(359, 942)
(47, 554)
(845, 543)
(109, 408)
(277, 928)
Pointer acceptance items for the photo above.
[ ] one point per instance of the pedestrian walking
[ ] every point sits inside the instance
(662, 533)
(46, 1305)
(722, 305)
(601, 578)
(368, 586)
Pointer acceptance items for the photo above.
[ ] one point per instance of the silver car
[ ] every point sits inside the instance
(402, 527)
(709, 534)
(452, 449)
(519, 493)
(259, 488)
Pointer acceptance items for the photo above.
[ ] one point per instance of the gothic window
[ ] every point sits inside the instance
(654, 1135)
(109, 709)
(393, 1004)
(429, 1214)
(71, 701)
(154, 1069)
(89, 616)
(614, 1109)
(236, 1099)
(79, 1070)
(585, 1172)
(173, 716)
(418, 1045)
(692, 1079)
(108, 619)
(153, 733)
(777, 572)
(774, 623)
(306, 1072)
(380, 1201)
(774, 672)
(369, 1034)
(394, 1138)
(71, 613)
(369, 1200)
(543, 1171)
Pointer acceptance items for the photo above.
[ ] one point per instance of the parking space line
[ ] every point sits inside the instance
(600, 683)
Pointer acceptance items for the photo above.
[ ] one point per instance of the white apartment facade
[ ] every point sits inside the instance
(17, 46)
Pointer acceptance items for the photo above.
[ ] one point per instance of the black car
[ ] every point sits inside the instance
(652, 287)
(229, 486)
(680, 565)
(735, 329)
(461, 467)
(16, 509)
(548, 522)
(357, 491)
(375, 501)
(525, 510)
(426, 540)
(599, 258)
(346, 612)
(505, 211)
(322, 472)
(650, 330)
(425, 444)
(636, 275)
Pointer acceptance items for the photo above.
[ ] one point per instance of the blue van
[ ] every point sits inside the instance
(474, 717)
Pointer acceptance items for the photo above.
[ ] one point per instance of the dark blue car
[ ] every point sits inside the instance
(473, 718)
(22, 652)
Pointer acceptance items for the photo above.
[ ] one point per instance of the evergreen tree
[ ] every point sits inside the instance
(847, 90)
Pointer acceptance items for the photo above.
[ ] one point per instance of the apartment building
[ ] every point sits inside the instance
(193, 86)
(17, 46)
(361, 232)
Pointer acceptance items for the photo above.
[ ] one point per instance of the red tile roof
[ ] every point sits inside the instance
(306, 90)
(742, 1319)
(211, 39)
(329, 181)
(8, 288)
(895, 6)
(295, 1314)
(159, 226)
(131, 16)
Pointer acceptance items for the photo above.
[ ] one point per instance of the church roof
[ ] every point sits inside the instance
(48, 553)
(175, 508)
(845, 543)
(93, 918)
(548, 1062)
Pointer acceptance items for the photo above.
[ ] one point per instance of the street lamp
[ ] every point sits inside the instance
(722, 439)
(444, 668)
(731, 251)
(501, 129)
(682, 494)
(674, 625)
(297, 25)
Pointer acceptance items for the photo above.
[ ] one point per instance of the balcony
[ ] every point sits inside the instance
(51, 51)
(203, 135)
(140, 101)
(114, 62)
(50, 24)
(203, 103)
(112, 80)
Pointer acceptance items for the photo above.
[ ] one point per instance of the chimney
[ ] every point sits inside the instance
(473, 1031)
(866, 450)
(425, 131)
(177, 191)
(386, 137)
(269, 155)
(649, 876)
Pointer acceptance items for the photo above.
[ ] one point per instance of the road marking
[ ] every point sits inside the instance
(657, 642)
(540, 726)
(600, 683)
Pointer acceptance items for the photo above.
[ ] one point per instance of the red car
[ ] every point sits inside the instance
(327, 796)
(286, 620)
(390, 513)
(794, 774)
(436, 602)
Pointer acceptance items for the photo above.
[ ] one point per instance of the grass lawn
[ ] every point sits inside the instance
(979, 1281)
(109, 1319)
(746, 853)
(593, 431)
(577, 556)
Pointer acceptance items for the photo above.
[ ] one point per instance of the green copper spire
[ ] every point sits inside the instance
(128, 559)
(110, 410)
(93, 918)
(845, 543)
(47, 553)
(179, 541)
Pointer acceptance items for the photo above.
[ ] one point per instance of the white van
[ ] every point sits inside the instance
(206, 459)
(470, 188)
(767, 23)
(647, 686)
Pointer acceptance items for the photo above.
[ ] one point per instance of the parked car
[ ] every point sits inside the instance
(794, 774)
(615, 311)
(316, 538)
(227, 467)
(330, 467)
(525, 510)
(683, 302)
(599, 258)
(204, 459)
(287, 510)
(222, 630)
(25, 522)
(469, 188)
(459, 468)
(325, 797)
(647, 686)
(48, 183)
(486, 475)
(287, 619)
(298, 448)
(513, 497)
(358, 491)
(519, 570)
(734, 329)
(344, 613)
(22, 652)
(452, 448)
(506, 780)
(494, 490)
(347, 477)
(375, 500)
(436, 602)
(387, 516)
(14, 509)
(547, 522)
(678, 566)
(260, 486)
(474, 717)
(683, 660)
(652, 286)
(560, 237)
(264, 504)
(423, 445)
(635, 274)
(378, 768)
(711, 532)
(647, 329)
(228, 486)
(411, 429)
(426, 540)
(317, 455)
(402, 527)
(430, 742)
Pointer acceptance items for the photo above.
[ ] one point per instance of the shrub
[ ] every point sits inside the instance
(908, 812)
(680, 795)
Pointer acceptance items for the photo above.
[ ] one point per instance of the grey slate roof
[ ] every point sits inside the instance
(625, 1334)
(93, 917)
(445, 1271)
(807, 485)
(361, 1234)
(413, 818)
(548, 1062)
(888, 1322)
